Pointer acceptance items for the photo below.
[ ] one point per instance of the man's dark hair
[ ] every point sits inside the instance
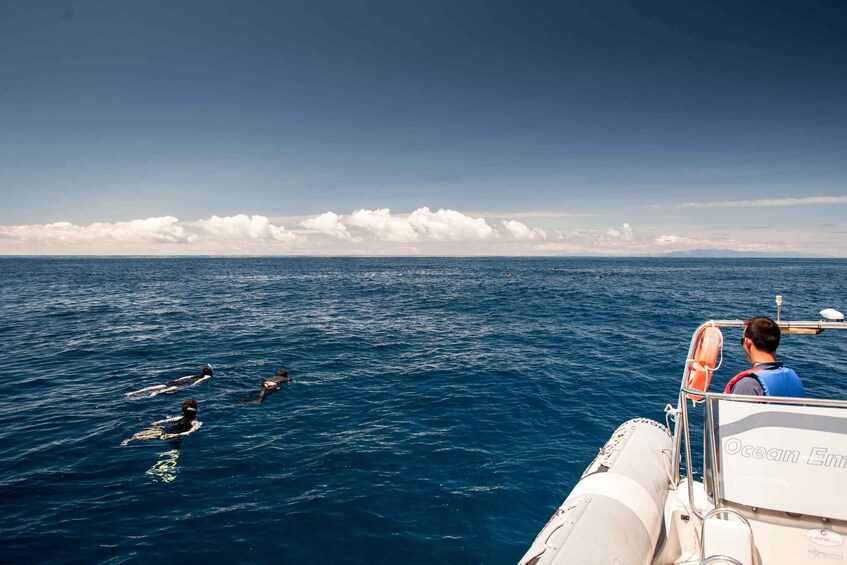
(282, 373)
(190, 403)
(763, 332)
(207, 370)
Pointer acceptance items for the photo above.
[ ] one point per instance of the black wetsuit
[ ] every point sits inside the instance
(185, 381)
(265, 391)
(182, 425)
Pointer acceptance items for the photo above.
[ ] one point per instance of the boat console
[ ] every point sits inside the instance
(774, 471)
(773, 489)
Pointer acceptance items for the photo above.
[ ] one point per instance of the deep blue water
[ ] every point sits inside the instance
(440, 409)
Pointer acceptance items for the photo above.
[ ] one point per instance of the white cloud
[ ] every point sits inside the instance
(422, 224)
(383, 225)
(610, 241)
(761, 203)
(165, 229)
(449, 225)
(244, 228)
(625, 233)
(705, 240)
(519, 230)
(329, 223)
(667, 239)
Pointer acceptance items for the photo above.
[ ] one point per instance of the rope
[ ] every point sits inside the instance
(670, 414)
(720, 360)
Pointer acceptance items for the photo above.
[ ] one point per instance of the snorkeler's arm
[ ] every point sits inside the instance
(160, 422)
(199, 380)
(167, 390)
(146, 389)
(183, 380)
(149, 433)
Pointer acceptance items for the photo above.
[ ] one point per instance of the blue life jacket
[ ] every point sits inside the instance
(780, 381)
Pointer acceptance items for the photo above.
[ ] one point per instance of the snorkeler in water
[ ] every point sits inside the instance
(174, 385)
(268, 387)
(181, 425)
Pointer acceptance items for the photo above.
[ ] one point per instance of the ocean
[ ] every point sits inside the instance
(440, 408)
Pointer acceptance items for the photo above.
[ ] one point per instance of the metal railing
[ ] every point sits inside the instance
(721, 559)
(715, 512)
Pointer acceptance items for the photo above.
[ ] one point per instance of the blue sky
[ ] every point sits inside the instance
(484, 127)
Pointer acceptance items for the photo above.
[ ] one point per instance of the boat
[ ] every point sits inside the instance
(772, 491)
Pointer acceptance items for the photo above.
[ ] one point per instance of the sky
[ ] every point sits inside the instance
(422, 127)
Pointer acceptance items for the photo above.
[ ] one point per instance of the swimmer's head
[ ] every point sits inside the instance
(190, 407)
(282, 373)
(207, 370)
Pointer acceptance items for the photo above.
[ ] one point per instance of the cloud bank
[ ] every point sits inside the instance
(166, 229)
(381, 232)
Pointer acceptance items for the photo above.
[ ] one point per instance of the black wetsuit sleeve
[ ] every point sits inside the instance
(180, 427)
(182, 381)
(748, 385)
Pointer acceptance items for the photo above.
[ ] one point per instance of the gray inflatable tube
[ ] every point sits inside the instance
(614, 513)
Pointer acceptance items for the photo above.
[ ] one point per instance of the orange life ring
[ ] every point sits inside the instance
(706, 357)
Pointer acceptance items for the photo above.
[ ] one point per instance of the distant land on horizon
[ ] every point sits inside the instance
(729, 253)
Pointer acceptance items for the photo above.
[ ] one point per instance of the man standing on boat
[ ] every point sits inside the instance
(768, 377)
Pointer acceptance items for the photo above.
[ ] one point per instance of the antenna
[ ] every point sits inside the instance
(778, 307)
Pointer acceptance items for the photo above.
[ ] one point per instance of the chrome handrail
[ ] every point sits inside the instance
(721, 559)
(709, 424)
(714, 512)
